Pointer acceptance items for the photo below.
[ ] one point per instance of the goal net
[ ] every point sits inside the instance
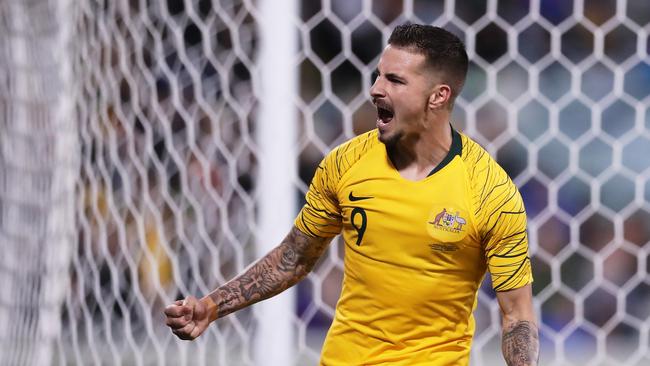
(134, 136)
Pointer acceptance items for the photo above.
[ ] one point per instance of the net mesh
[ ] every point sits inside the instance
(162, 193)
(165, 204)
(38, 156)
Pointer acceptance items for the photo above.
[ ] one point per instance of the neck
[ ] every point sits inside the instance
(414, 156)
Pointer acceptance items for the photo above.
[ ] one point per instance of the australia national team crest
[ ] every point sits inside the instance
(447, 224)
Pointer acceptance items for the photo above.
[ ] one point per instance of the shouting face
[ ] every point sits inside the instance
(402, 94)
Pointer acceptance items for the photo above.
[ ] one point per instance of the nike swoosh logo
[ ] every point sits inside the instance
(352, 198)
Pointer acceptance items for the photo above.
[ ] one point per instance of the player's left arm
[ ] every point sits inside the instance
(506, 245)
(520, 340)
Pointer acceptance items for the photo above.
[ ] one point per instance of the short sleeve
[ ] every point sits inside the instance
(504, 234)
(321, 215)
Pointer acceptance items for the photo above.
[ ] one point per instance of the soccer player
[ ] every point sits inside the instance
(424, 212)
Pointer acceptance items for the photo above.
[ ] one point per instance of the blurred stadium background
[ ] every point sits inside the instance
(131, 156)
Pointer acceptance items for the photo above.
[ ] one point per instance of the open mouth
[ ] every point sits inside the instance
(384, 113)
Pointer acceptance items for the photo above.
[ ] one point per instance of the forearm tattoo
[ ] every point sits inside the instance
(520, 343)
(280, 269)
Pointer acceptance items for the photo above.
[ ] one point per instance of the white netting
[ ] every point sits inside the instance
(38, 167)
(165, 207)
(164, 162)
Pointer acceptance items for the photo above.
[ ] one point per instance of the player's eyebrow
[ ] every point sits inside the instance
(388, 75)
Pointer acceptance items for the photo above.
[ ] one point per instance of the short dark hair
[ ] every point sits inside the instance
(442, 49)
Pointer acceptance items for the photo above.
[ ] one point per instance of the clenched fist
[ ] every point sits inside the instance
(189, 318)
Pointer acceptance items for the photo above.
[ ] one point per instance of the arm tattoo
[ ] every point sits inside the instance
(520, 343)
(281, 268)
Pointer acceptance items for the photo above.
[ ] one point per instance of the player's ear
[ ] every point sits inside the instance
(440, 96)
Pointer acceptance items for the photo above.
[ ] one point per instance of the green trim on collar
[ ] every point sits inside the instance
(455, 149)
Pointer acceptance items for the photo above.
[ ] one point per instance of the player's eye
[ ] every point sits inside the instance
(395, 80)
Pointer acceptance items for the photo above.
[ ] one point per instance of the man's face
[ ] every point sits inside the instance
(401, 92)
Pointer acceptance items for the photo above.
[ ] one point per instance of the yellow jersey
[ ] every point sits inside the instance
(415, 251)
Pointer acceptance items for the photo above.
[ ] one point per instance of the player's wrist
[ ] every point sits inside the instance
(211, 306)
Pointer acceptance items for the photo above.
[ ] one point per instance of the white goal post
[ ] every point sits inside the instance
(152, 149)
(39, 156)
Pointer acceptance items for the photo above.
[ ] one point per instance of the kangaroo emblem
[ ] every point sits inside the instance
(446, 220)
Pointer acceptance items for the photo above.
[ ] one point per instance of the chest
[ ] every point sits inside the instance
(426, 224)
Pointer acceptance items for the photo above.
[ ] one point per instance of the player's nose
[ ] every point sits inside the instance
(377, 89)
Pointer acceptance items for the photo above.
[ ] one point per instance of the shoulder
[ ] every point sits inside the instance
(474, 155)
(481, 167)
(493, 192)
(342, 158)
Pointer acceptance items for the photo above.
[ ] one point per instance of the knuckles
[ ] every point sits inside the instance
(181, 321)
(182, 335)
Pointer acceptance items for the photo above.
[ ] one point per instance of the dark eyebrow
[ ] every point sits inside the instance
(393, 76)
(389, 75)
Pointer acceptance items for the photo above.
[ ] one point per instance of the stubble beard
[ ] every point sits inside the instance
(390, 139)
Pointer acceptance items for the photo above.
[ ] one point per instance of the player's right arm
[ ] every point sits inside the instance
(281, 268)
(284, 266)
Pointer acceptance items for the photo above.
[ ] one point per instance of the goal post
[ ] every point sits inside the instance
(39, 156)
(276, 136)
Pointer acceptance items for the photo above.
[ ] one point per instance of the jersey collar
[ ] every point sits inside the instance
(455, 149)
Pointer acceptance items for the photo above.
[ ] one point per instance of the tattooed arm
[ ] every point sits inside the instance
(520, 340)
(281, 268)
